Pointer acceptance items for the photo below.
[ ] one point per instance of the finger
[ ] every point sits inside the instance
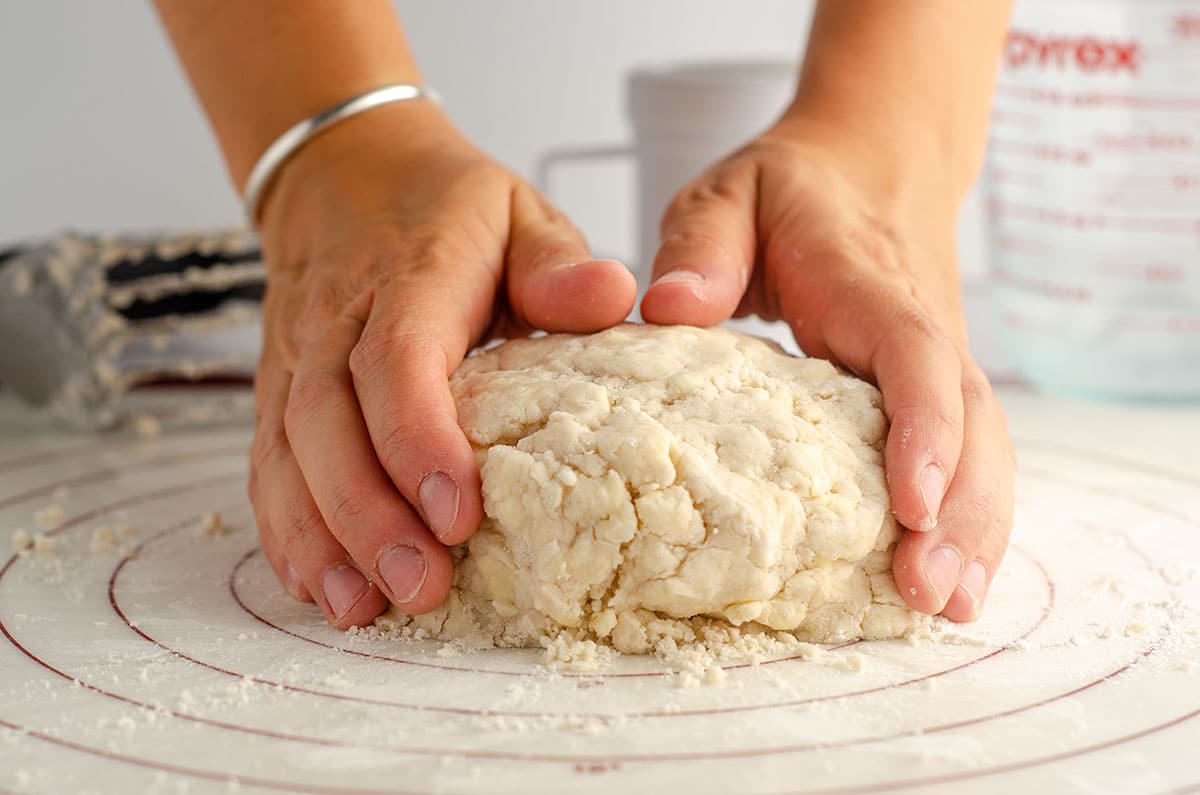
(272, 550)
(553, 282)
(882, 334)
(919, 372)
(950, 568)
(401, 367)
(358, 502)
(294, 535)
(704, 263)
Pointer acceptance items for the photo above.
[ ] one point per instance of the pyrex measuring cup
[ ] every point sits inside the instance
(1093, 196)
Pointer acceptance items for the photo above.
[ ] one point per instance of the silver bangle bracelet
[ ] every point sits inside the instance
(299, 134)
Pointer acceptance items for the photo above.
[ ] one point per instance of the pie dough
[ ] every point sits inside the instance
(649, 483)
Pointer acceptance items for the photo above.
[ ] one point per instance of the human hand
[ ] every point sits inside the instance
(861, 263)
(392, 247)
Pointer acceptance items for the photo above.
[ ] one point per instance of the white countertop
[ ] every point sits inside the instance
(176, 665)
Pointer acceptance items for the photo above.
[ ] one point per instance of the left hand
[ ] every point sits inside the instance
(861, 264)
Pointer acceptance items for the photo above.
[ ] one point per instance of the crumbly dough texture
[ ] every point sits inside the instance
(649, 485)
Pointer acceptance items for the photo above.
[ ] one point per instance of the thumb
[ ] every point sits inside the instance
(707, 253)
(553, 282)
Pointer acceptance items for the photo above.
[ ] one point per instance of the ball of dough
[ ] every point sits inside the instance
(645, 482)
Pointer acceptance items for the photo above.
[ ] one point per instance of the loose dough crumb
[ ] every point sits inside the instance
(22, 540)
(104, 540)
(49, 517)
(855, 662)
(213, 524)
(44, 544)
(146, 427)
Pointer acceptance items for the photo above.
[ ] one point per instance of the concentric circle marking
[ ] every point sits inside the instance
(1049, 585)
(1115, 674)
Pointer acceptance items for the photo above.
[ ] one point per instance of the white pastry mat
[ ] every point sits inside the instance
(182, 667)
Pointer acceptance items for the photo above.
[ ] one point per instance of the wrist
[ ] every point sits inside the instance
(337, 174)
(903, 174)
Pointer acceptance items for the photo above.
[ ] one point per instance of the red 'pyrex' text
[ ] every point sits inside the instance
(1086, 53)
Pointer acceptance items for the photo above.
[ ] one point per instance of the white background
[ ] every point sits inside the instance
(99, 130)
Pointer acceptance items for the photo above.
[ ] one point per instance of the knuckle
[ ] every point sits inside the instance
(324, 299)
(425, 252)
(348, 502)
(917, 323)
(689, 237)
(937, 419)
(269, 444)
(725, 184)
(307, 393)
(370, 352)
(977, 390)
(713, 190)
(983, 505)
(397, 444)
(878, 244)
(550, 252)
(395, 341)
(989, 516)
(299, 530)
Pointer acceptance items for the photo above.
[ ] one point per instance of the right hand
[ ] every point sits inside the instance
(392, 247)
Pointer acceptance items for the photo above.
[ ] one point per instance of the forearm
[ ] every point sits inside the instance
(905, 85)
(259, 67)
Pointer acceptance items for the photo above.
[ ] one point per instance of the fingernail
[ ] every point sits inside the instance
(974, 584)
(343, 585)
(403, 569)
(439, 497)
(294, 584)
(933, 488)
(684, 276)
(943, 567)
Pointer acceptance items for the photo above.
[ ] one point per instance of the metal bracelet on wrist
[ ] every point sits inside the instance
(298, 134)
